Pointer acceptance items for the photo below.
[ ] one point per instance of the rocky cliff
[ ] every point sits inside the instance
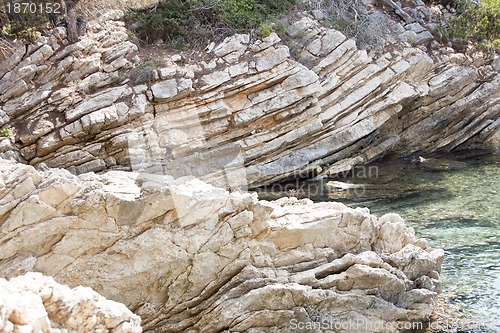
(244, 111)
(190, 257)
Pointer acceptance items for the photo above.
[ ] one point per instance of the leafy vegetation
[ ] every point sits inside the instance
(5, 133)
(264, 30)
(182, 23)
(475, 22)
(23, 22)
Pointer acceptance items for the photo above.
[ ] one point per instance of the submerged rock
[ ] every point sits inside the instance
(437, 164)
(341, 186)
(187, 256)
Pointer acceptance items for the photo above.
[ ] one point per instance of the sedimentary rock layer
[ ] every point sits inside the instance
(190, 257)
(246, 110)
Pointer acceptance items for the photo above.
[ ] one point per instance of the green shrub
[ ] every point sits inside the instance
(240, 14)
(263, 31)
(477, 24)
(5, 133)
(192, 23)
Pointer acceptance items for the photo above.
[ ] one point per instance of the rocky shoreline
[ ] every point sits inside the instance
(110, 162)
(186, 256)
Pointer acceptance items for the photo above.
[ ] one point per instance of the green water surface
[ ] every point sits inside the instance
(458, 210)
(453, 202)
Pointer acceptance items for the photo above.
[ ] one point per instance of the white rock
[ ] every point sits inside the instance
(237, 43)
(35, 303)
(155, 243)
(238, 69)
(215, 79)
(271, 57)
(98, 101)
(167, 72)
(301, 26)
(164, 90)
(496, 64)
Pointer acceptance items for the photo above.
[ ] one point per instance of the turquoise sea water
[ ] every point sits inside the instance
(453, 202)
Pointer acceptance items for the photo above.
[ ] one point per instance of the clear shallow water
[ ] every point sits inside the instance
(453, 202)
(461, 214)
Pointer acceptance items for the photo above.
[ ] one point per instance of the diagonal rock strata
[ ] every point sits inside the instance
(247, 108)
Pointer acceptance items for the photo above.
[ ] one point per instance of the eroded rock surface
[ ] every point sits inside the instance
(96, 105)
(190, 257)
(33, 303)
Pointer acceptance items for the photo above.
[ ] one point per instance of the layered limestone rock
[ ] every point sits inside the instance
(33, 303)
(247, 107)
(190, 257)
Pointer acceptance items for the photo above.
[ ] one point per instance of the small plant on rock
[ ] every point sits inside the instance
(263, 31)
(145, 73)
(91, 88)
(5, 132)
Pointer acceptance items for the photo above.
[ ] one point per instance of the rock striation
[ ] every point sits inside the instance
(190, 257)
(33, 303)
(247, 107)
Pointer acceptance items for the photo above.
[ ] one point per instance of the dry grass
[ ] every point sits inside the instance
(93, 7)
(6, 48)
(355, 20)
